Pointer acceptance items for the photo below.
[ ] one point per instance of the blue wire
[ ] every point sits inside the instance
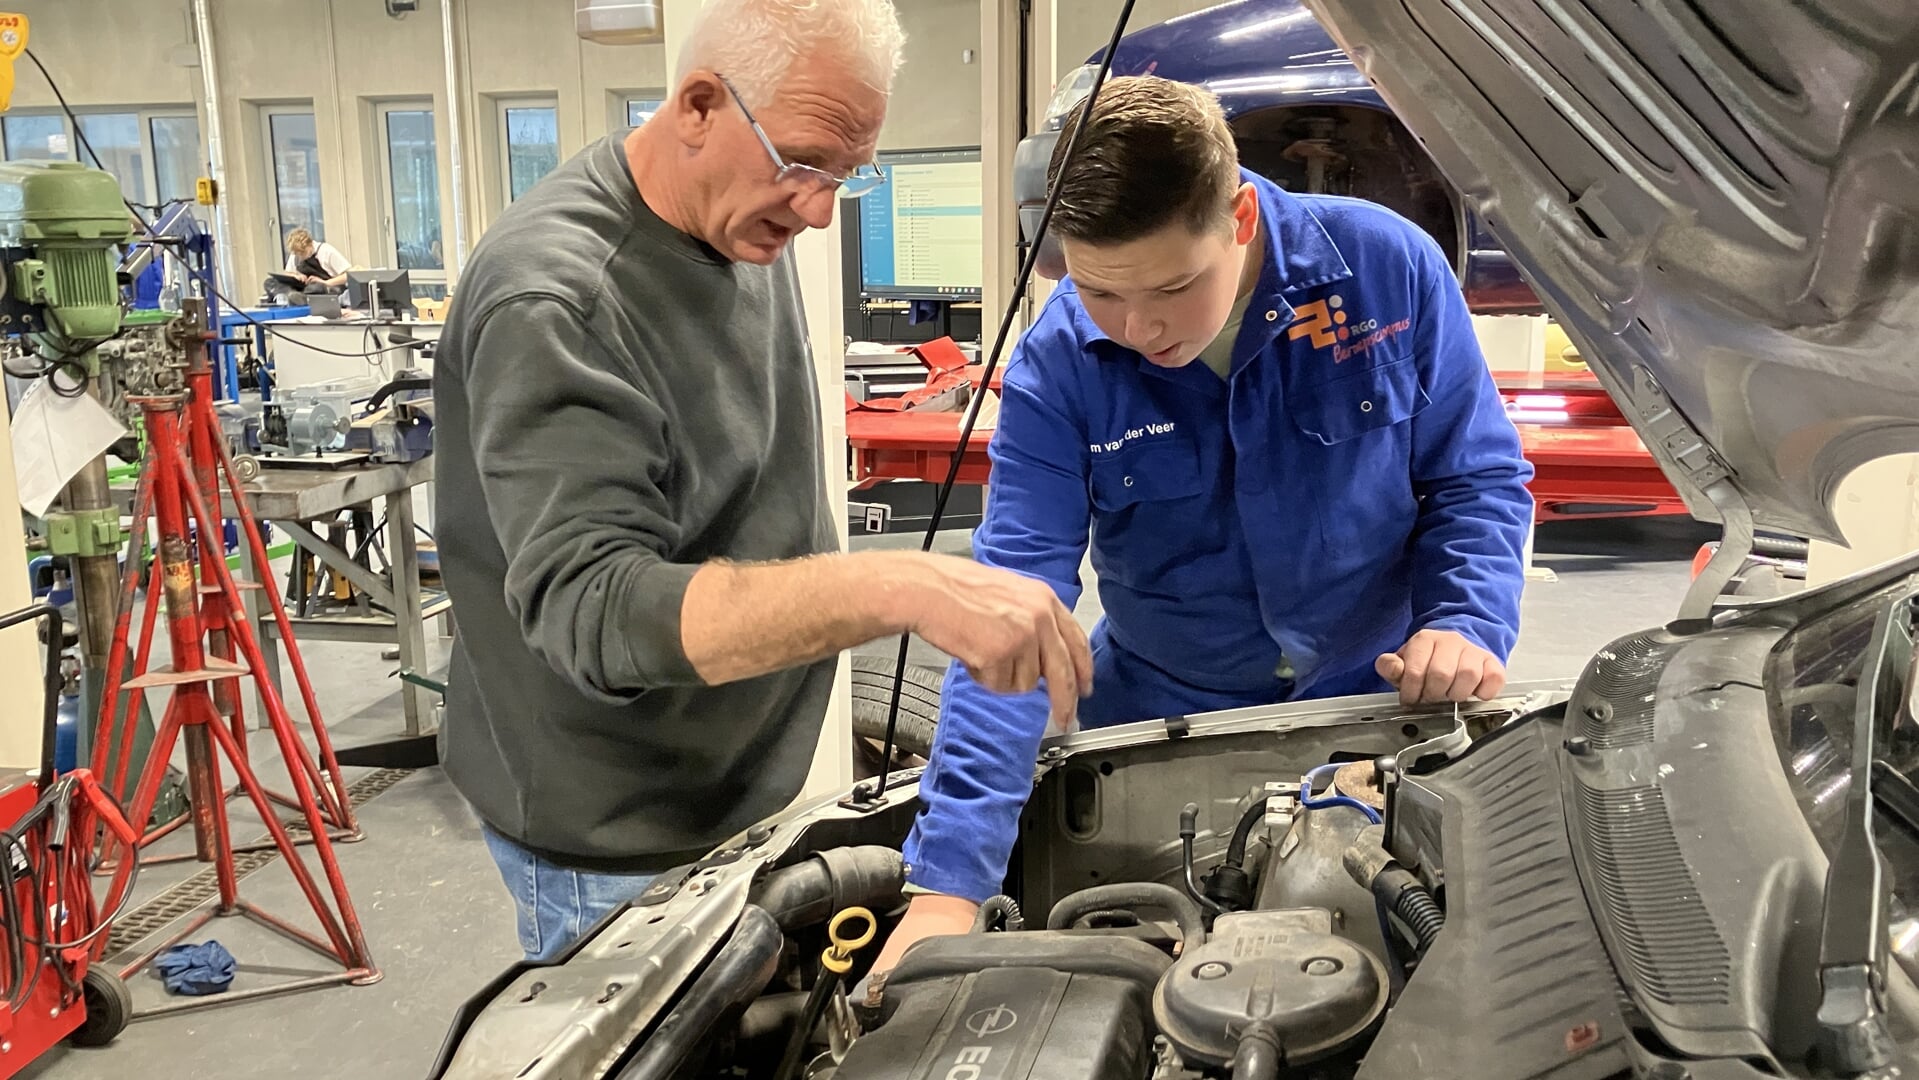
(1312, 780)
(1341, 800)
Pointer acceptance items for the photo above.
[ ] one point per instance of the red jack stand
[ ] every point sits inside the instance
(181, 484)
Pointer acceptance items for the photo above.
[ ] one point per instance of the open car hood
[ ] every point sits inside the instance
(1718, 199)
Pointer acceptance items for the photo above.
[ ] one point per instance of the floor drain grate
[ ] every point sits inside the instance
(180, 900)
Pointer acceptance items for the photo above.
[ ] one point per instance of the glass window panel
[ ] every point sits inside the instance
(640, 110)
(176, 155)
(532, 147)
(296, 176)
(413, 170)
(115, 141)
(36, 138)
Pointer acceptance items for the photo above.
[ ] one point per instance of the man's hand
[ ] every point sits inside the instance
(1008, 630)
(1441, 665)
(929, 915)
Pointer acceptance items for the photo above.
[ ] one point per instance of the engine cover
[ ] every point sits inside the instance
(1286, 969)
(1078, 1009)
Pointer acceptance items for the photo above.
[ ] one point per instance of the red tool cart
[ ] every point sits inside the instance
(52, 927)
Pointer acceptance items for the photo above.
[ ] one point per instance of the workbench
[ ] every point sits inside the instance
(293, 499)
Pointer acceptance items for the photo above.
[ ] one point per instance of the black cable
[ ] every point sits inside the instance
(992, 364)
(78, 131)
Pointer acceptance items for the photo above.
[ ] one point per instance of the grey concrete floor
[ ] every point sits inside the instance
(440, 924)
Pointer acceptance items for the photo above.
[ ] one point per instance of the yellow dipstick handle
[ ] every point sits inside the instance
(838, 957)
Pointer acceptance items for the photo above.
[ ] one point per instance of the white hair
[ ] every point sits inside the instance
(754, 43)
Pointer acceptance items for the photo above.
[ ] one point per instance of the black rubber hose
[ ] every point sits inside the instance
(1192, 926)
(1243, 832)
(1258, 1055)
(739, 971)
(1781, 547)
(1407, 898)
(809, 893)
(766, 1023)
(997, 908)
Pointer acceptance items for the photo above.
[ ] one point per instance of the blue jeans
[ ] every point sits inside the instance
(555, 905)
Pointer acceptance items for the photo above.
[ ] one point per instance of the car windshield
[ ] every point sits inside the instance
(1815, 691)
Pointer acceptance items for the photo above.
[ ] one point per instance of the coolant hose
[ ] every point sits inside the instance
(997, 908)
(808, 893)
(739, 971)
(1406, 897)
(1258, 1056)
(1192, 926)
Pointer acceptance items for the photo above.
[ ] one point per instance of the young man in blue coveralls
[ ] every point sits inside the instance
(1271, 414)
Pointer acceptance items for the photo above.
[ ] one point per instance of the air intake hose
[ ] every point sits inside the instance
(739, 971)
(810, 892)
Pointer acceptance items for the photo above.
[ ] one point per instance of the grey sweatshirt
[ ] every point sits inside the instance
(618, 404)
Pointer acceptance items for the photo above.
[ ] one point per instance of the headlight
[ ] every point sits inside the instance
(1072, 89)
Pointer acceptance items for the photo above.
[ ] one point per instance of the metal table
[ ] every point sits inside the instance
(291, 498)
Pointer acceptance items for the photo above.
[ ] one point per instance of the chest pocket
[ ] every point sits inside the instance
(1352, 405)
(1146, 472)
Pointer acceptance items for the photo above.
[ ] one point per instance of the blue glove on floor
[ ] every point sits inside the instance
(196, 970)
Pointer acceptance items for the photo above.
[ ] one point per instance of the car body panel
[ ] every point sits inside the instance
(1727, 227)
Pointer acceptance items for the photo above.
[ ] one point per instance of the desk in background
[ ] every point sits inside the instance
(305, 352)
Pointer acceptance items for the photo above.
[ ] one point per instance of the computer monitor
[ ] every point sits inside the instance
(380, 291)
(921, 233)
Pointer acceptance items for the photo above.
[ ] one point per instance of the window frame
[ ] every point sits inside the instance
(620, 104)
(276, 228)
(501, 107)
(386, 199)
(143, 115)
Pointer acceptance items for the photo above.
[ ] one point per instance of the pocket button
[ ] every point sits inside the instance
(1128, 481)
(1365, 406)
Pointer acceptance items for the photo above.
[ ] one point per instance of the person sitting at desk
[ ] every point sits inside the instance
(316, 266)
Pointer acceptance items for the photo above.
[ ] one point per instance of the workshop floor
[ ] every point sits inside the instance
(440, 925)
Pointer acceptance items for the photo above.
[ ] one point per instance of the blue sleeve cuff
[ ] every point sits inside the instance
(974, 788)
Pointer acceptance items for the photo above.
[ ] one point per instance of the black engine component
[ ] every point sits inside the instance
(1029, 1006)
(1128, 895)
(1285, 970)
(1518, 985)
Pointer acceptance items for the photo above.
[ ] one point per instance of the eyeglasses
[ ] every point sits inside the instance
(864, 181)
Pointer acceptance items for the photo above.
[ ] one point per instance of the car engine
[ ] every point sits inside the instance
(1275, 962)
(1610, 880)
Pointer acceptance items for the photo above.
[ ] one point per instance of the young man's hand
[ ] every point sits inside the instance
(1441, 665)
(929, 915)
(1010, 631)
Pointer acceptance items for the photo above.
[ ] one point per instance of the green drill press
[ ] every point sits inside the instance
(60, 225)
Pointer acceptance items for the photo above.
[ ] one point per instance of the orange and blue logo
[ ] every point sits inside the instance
(1328, 325)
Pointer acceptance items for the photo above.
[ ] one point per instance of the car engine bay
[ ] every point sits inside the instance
(1654, 872)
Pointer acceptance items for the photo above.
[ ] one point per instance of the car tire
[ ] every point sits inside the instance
(919, 704)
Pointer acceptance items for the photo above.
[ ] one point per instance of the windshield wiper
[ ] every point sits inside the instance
(1852, 948)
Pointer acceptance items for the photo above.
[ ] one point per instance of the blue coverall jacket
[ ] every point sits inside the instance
(1259, 539)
